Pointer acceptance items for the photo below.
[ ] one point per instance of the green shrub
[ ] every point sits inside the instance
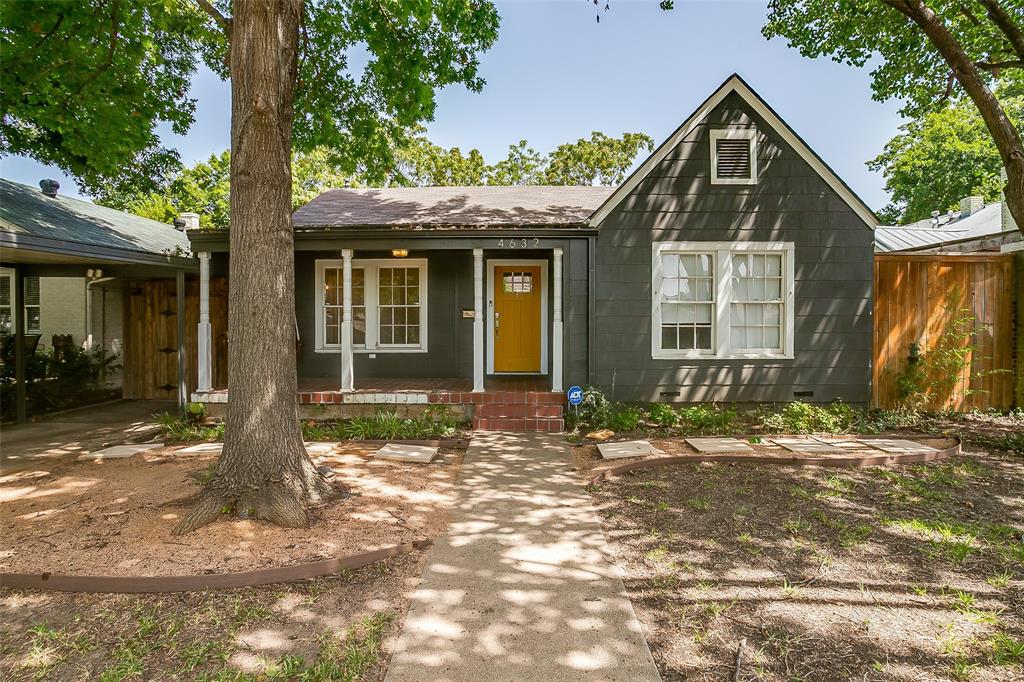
(436, 422)
(663, 414)
(707, 419)
(593, 413)
(625, 418)
(185, 429)
(801, 417)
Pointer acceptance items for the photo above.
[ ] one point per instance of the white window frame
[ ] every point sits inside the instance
(749, 134)
(17, 297)
(371, 268)
(721, 337)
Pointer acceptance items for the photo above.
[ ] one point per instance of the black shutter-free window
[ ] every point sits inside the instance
(732, 158)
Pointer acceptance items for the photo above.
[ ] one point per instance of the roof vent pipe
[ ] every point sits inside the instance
(49, 187)
(971, 205)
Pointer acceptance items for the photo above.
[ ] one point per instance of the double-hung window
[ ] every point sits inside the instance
(388, 305)
(722, 299)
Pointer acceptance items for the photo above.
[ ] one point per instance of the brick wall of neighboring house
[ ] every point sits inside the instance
(62, 308)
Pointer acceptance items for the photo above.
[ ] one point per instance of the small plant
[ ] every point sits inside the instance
(801, 417)
(625, 418)
(663, 414)
(938, 376)
(707, 420)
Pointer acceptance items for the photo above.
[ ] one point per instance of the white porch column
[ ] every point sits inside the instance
(205, 345)
(478, 320)
(556, 326)
(347, 373)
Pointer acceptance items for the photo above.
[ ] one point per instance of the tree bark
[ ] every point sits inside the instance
(1004, 134)
(263, 471)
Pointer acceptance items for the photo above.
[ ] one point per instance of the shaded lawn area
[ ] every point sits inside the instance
(895, 573)
(337, 628)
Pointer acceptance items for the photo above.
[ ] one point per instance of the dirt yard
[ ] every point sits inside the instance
(896, 573)
(115, 518)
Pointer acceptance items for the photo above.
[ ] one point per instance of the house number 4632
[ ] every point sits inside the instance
(524, 243)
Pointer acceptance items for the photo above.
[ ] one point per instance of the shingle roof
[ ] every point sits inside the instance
(476, 207)
(27, 211)
(983, 223)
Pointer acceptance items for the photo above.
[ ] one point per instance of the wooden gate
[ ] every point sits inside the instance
(150, 358)
(913, 295)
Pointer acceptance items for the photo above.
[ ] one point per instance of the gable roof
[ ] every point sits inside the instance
(736, 84)
(452, 207)
(27, 212)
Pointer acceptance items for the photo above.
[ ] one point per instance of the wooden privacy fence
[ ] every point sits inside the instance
(917, 299)
(151, 337)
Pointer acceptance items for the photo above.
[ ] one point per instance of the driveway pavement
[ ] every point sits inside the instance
(519, 587)
(67, 435)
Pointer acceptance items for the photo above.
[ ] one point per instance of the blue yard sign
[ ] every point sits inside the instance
(575, 395)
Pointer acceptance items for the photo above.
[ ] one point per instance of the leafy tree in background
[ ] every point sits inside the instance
(930, 53)
(84, 85)
(601, 160)
(205, 188)
(940, 158)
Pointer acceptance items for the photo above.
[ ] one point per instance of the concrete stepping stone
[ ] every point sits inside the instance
(201, 449)
(119, 451)
(805, 445)
(320, 448)
(898, 446)
(719, 445)
(629, 448)
(402, 452)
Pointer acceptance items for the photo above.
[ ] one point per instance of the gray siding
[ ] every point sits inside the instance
(449, 336)
(833, 274)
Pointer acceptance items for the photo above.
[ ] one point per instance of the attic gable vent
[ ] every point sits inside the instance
(733, 157)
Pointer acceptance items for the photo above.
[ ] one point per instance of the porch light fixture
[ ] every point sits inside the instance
(399, 253)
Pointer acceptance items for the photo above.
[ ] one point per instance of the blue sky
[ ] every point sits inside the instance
(556, 74)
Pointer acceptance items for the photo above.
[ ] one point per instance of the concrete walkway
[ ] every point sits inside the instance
(66, 435)
(519, 587)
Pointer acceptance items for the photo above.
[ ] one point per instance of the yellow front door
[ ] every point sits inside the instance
(517, 323)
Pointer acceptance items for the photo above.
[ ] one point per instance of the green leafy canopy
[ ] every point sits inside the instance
(941, 157)
(84, 85)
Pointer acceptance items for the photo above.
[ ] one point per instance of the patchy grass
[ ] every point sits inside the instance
(913, 572)
(315, 630)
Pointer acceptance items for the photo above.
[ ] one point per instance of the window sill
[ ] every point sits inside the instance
(364, 351)
(731, 356)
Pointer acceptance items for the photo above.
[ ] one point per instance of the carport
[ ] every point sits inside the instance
(45, 234)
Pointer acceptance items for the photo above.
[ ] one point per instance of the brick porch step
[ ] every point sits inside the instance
(518, 410)
(519, 424)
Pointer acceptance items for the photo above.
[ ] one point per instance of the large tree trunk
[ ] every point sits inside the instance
(967, 73)
(264, 470)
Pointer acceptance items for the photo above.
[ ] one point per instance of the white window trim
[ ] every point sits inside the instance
(370, 267)
(17, 297)
(749, 134)
(721, 331)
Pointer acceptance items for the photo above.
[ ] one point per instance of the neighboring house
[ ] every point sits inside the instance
(733, 265)
(71, 258)
(974, 228)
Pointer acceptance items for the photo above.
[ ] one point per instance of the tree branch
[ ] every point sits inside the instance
(1001, 18)
(999, 66)
(220, 19)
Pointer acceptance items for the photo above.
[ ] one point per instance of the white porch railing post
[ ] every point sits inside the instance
(347, 372)
(205, 341)
(556, 331)
(478, 320)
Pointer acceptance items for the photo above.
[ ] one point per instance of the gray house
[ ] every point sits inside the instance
(733, 265)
